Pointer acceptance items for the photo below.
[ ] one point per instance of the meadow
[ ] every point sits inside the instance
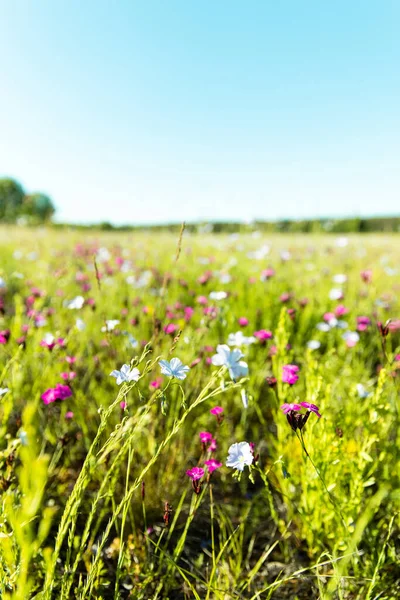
(135, 366)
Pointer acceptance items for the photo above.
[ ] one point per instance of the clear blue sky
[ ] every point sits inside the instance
(151, 111)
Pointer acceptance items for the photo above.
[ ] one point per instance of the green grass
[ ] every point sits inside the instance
(83, 498)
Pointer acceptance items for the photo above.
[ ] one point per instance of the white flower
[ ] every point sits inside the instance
(239, 455)
(218, 295)
(174, 368)
(231, 359)
(49, 339)
(259, 254)
(342, 242)
(3, 391)
(133, 343)
(342, 325)
(125, 374)
(23, 436)
(339, 278)
(336, 294)
(40, 321)
(80, 325)
(75, 303)
(238, 339)
(110, 325)
(103, 255)
(361, 390)
(285, 255)
(225, 278)
(2, 283)
(313, 344)
(351, 338)
(323, 327)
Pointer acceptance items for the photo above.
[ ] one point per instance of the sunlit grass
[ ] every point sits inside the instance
(83, 504)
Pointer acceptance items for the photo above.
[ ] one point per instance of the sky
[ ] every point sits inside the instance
(153, 111)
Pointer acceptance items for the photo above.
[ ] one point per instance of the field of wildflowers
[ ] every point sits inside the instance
(214, 417)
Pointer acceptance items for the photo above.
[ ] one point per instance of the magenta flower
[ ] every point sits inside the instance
(205, 437)
(267, 273)
(156, 383)
(312, 407)
(263, 335)
(212, 465)
(213, 446)
(329, 316)
(366, 275)
(286, 408)
(290, 374)
(243, 321)
(217, 410)
(60, 392)
(68, 376)
(341, 310)
(195, 474)
(295, 418)
(188, 310)
(363, 323)
(170, 328)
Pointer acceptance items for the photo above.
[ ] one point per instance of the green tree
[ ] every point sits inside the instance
(38, 207)
(11, 199)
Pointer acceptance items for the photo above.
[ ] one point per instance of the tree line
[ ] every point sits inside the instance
(18, 206)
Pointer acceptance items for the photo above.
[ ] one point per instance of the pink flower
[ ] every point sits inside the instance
(243, 321)
(68, 376)
(70, 359)
(195, 474)
(312, 407)
(295, 418)
(170, 328)
(202, 300)
(267, 273)
(213, 446)
(205, 437)
(69, 414)
(329, 316)
(366, 275)
(217, 410)
(123, 404)
(212, 465)
(285, 297)
(3, 340)
(195, 362)
(60, 392)
(363, 323)
(288, 407)
(263, 335)
(156, 383)
(188, 310)
(290, 374)
(341, 310)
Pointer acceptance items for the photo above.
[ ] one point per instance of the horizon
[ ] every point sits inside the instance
(227, 113)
